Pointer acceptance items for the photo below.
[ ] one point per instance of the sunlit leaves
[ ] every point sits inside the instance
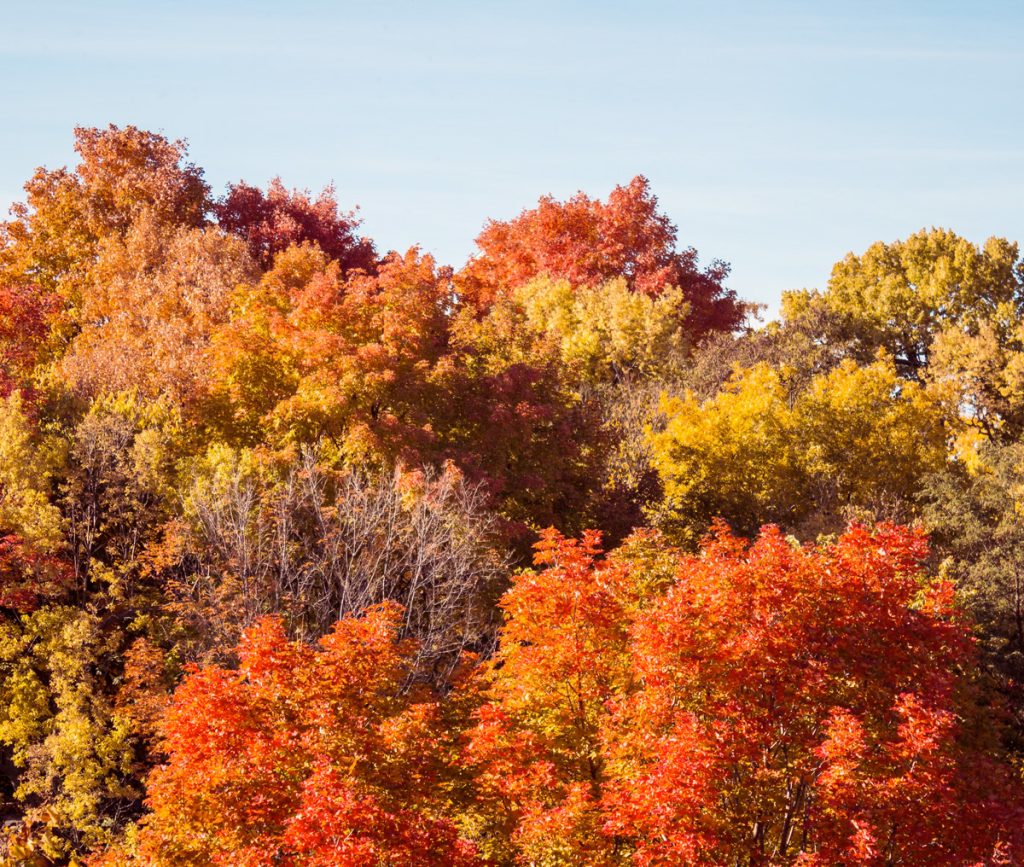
(26, 467)
(762, 450)
(154, 301)
(213, 411)
(314, 755)
(588, 242)
(274, 220)
(764, 703)
(899, 296)
(75, 754)
(124, 171)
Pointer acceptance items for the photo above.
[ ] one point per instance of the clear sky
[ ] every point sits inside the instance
(778, 136)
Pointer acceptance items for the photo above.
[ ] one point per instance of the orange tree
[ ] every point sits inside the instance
(589, 242)
(777, 705)
(374, 363)
(536, 750)
(304, 756)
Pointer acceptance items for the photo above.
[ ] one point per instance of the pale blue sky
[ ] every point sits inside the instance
(777, 136)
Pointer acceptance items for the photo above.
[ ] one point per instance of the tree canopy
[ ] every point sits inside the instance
(316, 553)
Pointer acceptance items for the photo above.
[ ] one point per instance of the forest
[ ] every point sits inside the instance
(317, 555)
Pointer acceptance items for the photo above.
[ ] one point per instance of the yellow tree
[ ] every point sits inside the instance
(900, 296)
(761, 451)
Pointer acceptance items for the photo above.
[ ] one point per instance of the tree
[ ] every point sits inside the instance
(803, 455)
(382, 366)
(974, 513)
(54, 237)
(304, 755)
(155, 297)
(27, 466)
(25, 317)
(735, 456)
(119, 488)
(29, 576)
(869, 435)
(69, 756)
(274, 220)
(524, 426)
(946, 311)
(588, 242)
(536, 751)
(753, 703)
(808, 705)
(225, 424)
(900, 296)
(360, 360)
(978, 375)
(606, 333)
(311, 544)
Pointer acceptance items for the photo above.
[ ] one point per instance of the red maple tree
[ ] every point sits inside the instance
(272, 221)
(587, 242)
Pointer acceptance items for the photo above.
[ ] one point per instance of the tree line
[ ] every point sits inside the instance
(312, 554)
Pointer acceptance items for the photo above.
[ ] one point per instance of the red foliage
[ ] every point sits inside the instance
(336, 826)
(587, 242)
(27, 577)
(807, 705)
(272, 221)
(25, 315)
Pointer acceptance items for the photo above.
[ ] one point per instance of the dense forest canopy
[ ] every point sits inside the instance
(317, 554)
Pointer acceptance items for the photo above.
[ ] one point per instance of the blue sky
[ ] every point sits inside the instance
(777, 136)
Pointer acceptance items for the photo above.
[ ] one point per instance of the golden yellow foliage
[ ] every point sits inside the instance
(26, 467)
(856, 437)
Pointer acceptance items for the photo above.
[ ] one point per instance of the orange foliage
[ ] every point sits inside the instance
(780, 705)
(124, 171)
(311, 755)
(153, 301)
(759, 703)
(587, 242)
(371, 362)
(536, 751)
(361, 360)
